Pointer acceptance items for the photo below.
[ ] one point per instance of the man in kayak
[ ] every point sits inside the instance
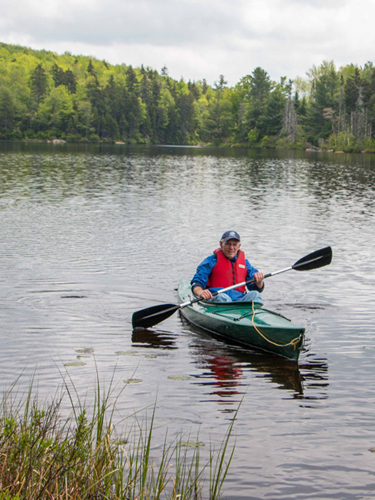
(226, 267)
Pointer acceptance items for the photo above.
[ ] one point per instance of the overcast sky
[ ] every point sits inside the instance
(199, 39)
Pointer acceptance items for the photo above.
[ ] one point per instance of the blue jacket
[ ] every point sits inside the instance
(204, 270)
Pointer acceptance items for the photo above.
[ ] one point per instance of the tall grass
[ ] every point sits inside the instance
(45, 456)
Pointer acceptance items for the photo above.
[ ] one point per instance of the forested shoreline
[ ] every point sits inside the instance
(45, 96)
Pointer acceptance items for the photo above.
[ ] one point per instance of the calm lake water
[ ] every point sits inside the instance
(90, 234)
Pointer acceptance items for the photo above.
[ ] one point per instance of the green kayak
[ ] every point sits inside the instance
(245, 323)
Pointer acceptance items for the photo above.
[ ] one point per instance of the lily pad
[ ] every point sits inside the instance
(192, 444)
(151, 356)
(75, 363)
(178, 377)
(85, 350)
(124, 353)
(133, 381)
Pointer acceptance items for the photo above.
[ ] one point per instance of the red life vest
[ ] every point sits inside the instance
(227, 273)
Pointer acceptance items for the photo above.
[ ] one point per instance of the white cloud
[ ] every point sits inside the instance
(198, 39)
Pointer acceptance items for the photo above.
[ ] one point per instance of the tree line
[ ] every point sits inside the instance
(44, 95)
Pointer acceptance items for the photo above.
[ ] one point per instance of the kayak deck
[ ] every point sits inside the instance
(245, 323)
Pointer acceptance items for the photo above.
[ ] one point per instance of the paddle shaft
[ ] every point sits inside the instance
(173, 308)
(300, 263)
(237, 285)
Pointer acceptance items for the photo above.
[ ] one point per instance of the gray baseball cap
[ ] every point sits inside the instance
(230, 235)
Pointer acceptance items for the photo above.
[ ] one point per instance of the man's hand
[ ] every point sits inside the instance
(205, 294)
(259, 277)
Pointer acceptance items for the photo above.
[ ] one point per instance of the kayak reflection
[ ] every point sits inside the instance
(228, 372)
(226, 368)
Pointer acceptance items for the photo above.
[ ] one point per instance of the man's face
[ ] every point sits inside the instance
(230, 248)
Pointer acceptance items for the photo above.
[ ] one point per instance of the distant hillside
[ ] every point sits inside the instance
(44, 96)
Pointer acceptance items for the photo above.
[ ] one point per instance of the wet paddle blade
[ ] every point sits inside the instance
(314, 260)
(153, 315)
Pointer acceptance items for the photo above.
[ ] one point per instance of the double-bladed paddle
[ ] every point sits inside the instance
(156, 314)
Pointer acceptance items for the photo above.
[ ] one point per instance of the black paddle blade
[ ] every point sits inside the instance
(314, 260)
(153, 315)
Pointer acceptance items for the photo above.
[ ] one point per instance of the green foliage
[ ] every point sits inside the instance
(67, 78)
(44, 95)
(252, 136)
(323, 97)
(7, 111)
(38, 84)
(44, 455)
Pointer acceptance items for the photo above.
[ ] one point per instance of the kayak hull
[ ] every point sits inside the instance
(244, 323)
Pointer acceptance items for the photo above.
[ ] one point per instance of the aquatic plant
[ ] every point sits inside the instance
(44, 455)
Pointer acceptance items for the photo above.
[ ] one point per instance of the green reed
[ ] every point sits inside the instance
(45, 456)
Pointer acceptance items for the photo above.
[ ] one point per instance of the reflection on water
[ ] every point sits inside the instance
(222, 367)
(143, 337)
(308, 381)
(91, 234)
(228, 370)
(312, 374)
(226, 375)
(315, 377)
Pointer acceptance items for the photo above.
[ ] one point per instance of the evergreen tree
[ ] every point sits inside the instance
(39, 85)
(67, 78)
(324, 97)
(260, 86)
(97, 100)
(352, 90)
(57, 75)
(272, 123)
(70, 81)
(132, 81)
(186, 117)
(91, 70)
